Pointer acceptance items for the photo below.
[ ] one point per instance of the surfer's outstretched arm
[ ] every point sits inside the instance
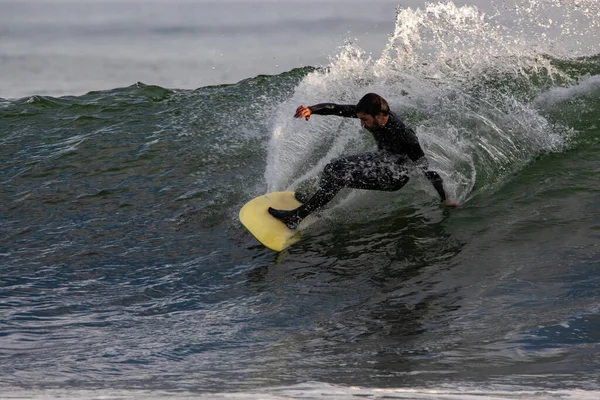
(437, 182)
(342, 110)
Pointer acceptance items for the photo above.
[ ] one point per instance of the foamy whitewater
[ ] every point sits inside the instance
(467, 83)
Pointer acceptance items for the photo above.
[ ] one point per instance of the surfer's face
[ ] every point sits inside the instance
(369, 122)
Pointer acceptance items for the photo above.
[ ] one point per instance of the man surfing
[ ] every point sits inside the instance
(384, 169)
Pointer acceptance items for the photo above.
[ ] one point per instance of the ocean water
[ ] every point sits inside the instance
(70, 47)
(131, 133)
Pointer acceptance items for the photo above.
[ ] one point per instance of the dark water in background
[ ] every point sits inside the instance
(124, 267)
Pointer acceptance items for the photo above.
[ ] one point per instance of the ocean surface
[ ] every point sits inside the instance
(131, 133)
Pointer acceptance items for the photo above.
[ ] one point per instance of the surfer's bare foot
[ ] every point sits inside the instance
(288, 217)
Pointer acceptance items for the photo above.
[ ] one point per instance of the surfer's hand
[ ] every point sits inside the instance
(450, 203)
(302, 112)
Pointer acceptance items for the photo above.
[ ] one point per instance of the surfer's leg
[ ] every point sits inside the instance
(331, 182)
(372, 171)
(301, 197)
(379, 171)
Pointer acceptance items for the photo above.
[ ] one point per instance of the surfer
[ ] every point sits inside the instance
(384, 169)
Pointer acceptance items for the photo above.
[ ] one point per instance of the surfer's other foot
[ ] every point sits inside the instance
(288, 217)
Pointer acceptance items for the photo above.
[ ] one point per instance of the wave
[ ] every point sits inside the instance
(475, 90)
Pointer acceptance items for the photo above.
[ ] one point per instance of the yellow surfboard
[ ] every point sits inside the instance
(271, 232)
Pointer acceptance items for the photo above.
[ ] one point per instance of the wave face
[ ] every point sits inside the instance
(125, 271)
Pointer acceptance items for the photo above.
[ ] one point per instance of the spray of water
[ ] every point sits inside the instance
(466, 81)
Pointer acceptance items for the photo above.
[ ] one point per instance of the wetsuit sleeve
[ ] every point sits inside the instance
(434, 178)
(437, 182)
(342, 110)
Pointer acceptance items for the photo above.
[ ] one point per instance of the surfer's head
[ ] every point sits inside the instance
(372, 104)
(373, 111)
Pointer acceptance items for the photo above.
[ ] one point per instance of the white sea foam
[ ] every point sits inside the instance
(586, 86)
(460, 77)
(317, 390)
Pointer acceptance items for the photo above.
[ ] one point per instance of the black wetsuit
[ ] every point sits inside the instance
(383, 169)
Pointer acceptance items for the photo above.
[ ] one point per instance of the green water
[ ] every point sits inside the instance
(124, 266)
